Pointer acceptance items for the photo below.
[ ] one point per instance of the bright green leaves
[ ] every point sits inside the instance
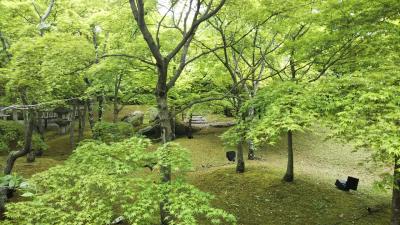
(135, 84)
(118, 158)
(11, 181)
(186, 205)
(100, 182)
(364, 108)
(174, 156)
(281, 106)
(234, 135)
(112, 132)
(45, 67)
(12, 134)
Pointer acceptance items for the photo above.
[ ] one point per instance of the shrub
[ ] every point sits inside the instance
(11, 181)
(112, 132)
(11, 133)
(38, 144)
(100, 182)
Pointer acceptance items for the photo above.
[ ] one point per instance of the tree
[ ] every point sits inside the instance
(106, 189)
(41, 75)
(314, 47)
(246, 44)
(121, 81)
(361, 104)
(194, 13)
(364, 108)
(283, 107)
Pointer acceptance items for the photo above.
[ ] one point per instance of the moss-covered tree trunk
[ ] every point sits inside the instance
(289, 176)
(166, 134)
(250, 143)
(30, 117)
(14, 155)
(117, 87)
(251, 153)
(116, 110)
(72, 127)
(396, 193)
(100, 109)
(81, 122)
(90, 112)
(40, 129)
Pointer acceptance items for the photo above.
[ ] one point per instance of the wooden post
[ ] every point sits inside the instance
(15, 115)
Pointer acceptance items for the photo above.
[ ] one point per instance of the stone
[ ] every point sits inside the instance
(118, 220)
(198, 120)
(135, 118)
(153, 114)
(62, 124)
(223, 124)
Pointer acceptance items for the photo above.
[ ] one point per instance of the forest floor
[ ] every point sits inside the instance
(258, 196)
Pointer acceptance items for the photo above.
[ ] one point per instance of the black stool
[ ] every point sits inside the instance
(231, 155)
(350, 184)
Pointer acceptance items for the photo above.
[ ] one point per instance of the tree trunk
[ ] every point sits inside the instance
(101, 108)
(240, 168)
(289, 176)
(31, 155)
(3, 200)
(251, 154)
(89, 104)
(72, 127)
(166, 135)
(82, 124)
(80, 130)
(115, 111)
(190, 130)
(40, 129)
(14, 155)
(165, 121)
(26, 118)
(15, 115)
(117, 86)
(173, 124)
(250, 143)
(39, 125)
(396, 193)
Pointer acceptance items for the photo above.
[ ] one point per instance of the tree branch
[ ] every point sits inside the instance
(196, 23)
(138, 13)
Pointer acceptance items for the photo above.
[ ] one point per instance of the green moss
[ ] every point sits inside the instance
(259, 196)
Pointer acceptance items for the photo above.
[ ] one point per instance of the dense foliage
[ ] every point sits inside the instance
(12, 137)
(275, 67)
(100, 182)
(112, 132)
(364, 109)
(281, 107)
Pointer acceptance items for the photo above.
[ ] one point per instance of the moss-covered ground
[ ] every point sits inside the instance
(259, 197)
